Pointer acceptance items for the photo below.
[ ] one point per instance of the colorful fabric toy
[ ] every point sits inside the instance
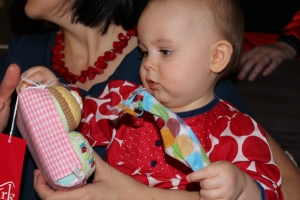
(179, 140)
(47, 118)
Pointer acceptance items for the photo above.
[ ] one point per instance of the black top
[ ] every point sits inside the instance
(268, 16)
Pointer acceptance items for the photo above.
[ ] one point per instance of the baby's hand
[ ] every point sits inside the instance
(219, 180)
(38, 75)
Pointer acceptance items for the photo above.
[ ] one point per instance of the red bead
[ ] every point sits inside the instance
(112, 56)
(97, 63)
(103, 65)
(55, 50)
(71, 75)
(101, 59)
(62, 71)
(67, 78)
(55, 59)
(82, 79)
(61, 55)
(59, 40)
(121, 36)
(92, 70)
(132, 32)
(128, 36)
(99, 70)
(109, 55)
(123, 43)
(116, 45)
(106, 55)
(61, 63)
(119, 51)
(55, 67)
(84, 73)
(91, 76)
(60, 47)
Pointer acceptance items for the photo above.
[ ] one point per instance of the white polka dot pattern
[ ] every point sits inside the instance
(224, 132)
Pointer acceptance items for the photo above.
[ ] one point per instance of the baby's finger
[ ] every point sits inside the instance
(37, 76)
(195, 176)
(206, 172)
(29, 80)
(212, 183)
(22, 85)
(211, 194)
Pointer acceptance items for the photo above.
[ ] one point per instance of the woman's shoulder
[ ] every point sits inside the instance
(28, 51)
(32, 42)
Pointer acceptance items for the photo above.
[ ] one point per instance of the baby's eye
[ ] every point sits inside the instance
(166, 52)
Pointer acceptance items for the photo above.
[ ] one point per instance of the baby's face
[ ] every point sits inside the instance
(177, 42)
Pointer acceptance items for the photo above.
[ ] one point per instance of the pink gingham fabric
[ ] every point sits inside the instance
(39, 123)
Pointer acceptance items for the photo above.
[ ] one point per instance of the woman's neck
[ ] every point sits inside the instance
(84, 45)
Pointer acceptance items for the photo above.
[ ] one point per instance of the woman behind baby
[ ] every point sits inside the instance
(187, 47)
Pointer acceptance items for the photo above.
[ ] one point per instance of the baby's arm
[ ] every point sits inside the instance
(37, 74)
(243, 143)
(224, 180)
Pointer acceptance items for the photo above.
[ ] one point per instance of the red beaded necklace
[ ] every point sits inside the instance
(58, 63)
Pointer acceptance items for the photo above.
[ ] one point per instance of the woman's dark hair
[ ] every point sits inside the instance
(101, 13)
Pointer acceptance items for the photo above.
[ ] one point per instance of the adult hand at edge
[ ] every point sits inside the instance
(7, 87)
(109, 184)
(88, 191)
(264, 59)
(290, 173)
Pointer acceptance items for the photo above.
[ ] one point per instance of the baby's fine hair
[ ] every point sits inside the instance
(228, 22)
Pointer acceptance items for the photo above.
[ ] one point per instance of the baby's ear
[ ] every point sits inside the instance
(221, 55)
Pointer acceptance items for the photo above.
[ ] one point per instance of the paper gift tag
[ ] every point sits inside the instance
(11, 158)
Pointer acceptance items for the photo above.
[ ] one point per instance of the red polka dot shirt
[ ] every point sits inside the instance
(134, 145)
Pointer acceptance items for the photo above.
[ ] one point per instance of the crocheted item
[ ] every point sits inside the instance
(47, 119)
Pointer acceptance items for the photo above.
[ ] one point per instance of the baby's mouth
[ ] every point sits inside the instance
(151, 84)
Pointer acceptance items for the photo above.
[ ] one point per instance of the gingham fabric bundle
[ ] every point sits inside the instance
(50, 145)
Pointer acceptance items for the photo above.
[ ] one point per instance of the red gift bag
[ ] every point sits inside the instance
(12, 151)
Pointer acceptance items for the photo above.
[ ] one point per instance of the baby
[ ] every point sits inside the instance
(187, 46)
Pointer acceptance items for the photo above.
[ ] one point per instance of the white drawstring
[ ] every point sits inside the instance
(37, 85)
(13, 122)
